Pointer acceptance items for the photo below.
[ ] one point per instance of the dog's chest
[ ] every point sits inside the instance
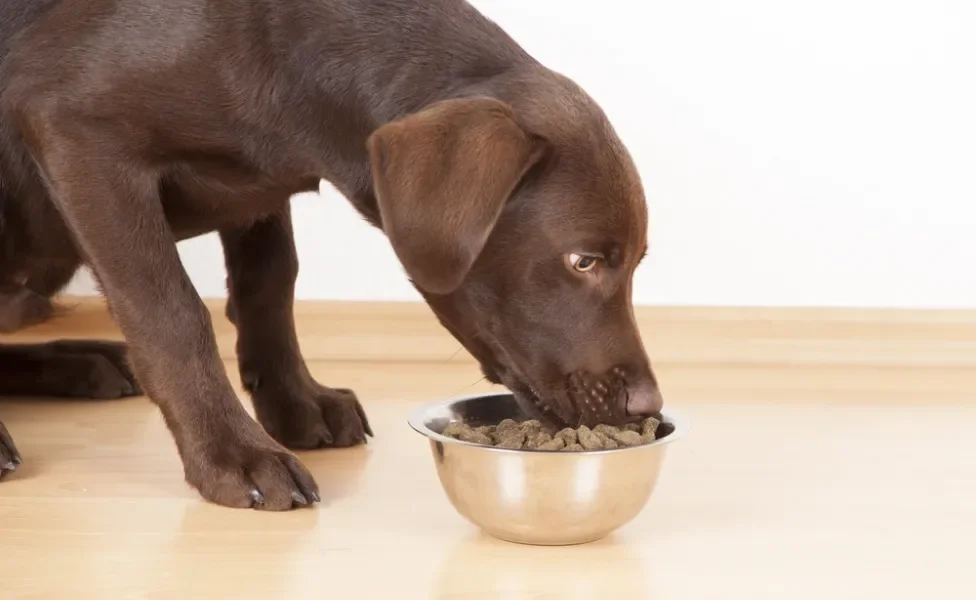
(202, 197)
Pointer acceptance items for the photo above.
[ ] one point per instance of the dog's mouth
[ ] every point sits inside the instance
(580, 399)
(533, 404)
(585, 401)
(565, 401)
(498, 368)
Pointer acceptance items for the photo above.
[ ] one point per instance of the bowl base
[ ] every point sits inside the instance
(530, 542)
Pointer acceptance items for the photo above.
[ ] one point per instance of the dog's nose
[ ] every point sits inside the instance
(644, 399)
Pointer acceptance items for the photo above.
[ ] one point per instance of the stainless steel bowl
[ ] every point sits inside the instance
(538, 497)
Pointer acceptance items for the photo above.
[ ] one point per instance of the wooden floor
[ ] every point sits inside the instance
(799, 479)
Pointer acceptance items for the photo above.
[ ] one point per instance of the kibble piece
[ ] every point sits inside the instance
(635, 427)
(568, 435)
(649, 427)
(534, 440)
(607, 430)
(554, 444)
(453, 430)
(531, 425)
(573, 448)
(610, 444)
(605, 440)
(513, 439)
(588, 439)
(628, 438)
(484, 429)
(506, 425)
(474, 437)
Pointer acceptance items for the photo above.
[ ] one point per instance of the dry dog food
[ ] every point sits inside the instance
(532, 435)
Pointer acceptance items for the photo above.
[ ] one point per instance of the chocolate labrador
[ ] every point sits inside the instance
(128, 125)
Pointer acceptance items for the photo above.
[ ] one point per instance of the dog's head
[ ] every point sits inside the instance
(522, 223)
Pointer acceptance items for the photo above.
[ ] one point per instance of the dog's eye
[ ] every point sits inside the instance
(583, 262)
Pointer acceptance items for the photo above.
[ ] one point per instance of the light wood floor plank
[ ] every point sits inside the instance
(808, 473)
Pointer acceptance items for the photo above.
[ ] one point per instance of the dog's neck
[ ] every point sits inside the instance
(348, 85)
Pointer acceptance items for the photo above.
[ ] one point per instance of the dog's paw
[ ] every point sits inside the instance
(239, 474)
(98, 378)
(9, 457)
(85, 376)
(95, 369)
(21, 308)
(344, 415)
(312, 416)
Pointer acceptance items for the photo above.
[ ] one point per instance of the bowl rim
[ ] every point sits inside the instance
(416, 421)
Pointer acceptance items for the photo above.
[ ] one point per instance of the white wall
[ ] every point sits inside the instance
(795, 153)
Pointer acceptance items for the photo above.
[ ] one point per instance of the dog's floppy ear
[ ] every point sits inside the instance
(441, 178)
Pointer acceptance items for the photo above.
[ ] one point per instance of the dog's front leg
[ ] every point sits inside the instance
(262, 266)
(110, 200)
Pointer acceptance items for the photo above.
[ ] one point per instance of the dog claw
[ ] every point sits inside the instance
(315, 497)
(9, 457)
(327, 439)
(257, 499)
(299, 499)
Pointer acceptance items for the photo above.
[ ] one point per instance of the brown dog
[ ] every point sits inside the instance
(128, 125)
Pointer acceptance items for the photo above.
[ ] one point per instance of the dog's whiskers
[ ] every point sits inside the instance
(469, 386)
(456, 352)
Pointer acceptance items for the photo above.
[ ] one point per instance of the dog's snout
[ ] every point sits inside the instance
(615, 397)
(644, 399)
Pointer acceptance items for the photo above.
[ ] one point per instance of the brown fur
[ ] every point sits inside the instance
(127, 125)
